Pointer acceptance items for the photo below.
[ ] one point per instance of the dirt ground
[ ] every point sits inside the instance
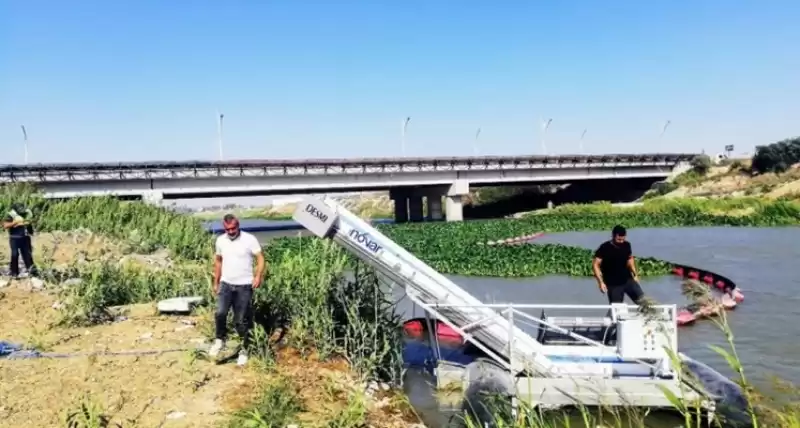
(145, 391)
(171, 389)
(722, 182)
(58, 249)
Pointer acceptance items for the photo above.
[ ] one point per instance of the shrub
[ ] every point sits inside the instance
(663, 187)
(701, 164)
(777, 157)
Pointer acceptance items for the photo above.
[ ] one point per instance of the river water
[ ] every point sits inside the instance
(763, 262)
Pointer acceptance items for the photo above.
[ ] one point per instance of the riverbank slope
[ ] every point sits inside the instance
(98, 350)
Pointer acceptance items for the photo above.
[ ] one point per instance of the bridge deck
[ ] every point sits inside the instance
(69, 172)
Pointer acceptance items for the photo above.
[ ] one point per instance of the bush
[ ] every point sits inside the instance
(777, 157)
(736, 166)
(663, 187)
(701, 164)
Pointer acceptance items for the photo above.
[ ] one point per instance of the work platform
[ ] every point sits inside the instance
(594, 355)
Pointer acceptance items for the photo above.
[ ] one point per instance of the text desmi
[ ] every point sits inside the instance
(311, 209)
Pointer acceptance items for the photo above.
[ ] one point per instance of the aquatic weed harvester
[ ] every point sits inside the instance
(619, 356)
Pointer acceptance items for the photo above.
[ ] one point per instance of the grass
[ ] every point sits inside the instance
(370, 206)
(277, 406)
(331, 317)
(308, 292)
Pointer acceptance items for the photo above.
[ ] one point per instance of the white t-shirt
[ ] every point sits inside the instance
(237, 258)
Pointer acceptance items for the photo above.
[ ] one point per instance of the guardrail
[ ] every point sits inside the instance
(265, 168)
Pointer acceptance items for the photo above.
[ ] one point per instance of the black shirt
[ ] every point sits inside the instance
(614, 265)
(18, 231)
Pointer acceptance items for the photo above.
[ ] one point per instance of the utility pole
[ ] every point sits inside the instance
(580, 144)
(403, 133)
(545, 125)
(220, 116)
(664, 130)
(25, 142)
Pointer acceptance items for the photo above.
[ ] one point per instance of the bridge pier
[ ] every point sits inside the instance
(153, 197)
(454, 200)
(454, 205)
(415, 208)
(400, 199)
(435, 205)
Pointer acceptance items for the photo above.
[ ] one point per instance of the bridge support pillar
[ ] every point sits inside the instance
(435, 205)
(153, 197)
(400, 199)
(415, 208)
(454, 202)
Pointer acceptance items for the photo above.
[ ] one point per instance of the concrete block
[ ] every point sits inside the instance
(179, 304)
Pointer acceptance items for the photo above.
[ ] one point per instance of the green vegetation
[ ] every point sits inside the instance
(517, 261)
(459, 248)
(701, 164)
(599, 216)
(777, 157)
(372, 206)
(276, 407)
(305, 293)
(251, 213)
(144, 227)
(329, 314)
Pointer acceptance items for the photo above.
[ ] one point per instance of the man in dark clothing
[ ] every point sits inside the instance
(17, 222)
(615, 269)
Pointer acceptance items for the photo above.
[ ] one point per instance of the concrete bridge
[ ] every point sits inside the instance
(407, 179)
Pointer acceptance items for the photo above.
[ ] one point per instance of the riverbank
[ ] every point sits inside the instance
(105, 263)
(337, 340)
(734, 178)
(368, 206)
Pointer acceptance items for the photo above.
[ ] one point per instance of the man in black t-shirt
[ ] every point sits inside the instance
(17, 221)
(615, 269)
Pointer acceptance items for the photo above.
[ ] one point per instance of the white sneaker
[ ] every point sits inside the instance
(242, 360)
(216, 348)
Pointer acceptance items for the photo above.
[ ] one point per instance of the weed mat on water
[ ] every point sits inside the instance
(131, 390)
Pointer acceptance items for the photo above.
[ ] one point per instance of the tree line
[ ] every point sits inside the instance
(776, 157)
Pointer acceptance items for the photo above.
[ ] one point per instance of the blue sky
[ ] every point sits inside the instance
(142, 80)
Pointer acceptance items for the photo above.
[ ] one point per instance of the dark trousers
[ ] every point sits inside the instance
(240, 297)
(21, 246)
(616, 293)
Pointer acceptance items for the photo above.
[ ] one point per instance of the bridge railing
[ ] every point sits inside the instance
(262, 168)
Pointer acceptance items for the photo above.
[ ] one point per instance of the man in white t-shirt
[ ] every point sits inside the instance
(234, 282)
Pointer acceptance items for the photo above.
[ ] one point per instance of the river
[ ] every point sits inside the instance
(763, 262)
